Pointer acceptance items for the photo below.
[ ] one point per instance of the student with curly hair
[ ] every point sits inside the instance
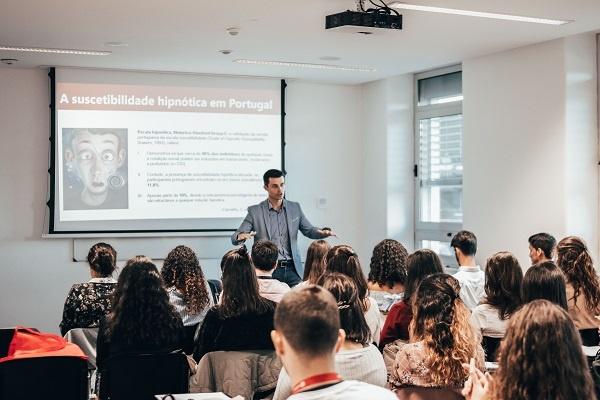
(186, 285)
(419, 265)
(88, 303)
(315, 261)
(387, 275)
(503, 295)
(357, 358)
(142, 319)
(583, 286)
(442, 338)
(344, 260)
(243, 320)
(540, 358)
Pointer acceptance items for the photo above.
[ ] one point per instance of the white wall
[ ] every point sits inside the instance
(323, 160)
(530, 145)
(388, 133)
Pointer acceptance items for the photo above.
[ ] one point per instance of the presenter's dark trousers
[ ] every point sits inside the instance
(286, 272)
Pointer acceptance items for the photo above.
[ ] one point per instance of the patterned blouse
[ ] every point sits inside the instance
(87, 303)
(410, 368)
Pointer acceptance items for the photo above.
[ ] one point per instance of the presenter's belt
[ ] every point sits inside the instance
(285, 263)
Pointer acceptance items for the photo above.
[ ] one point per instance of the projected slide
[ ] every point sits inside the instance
(139, 152)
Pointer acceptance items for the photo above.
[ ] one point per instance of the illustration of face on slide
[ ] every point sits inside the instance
(95, 168)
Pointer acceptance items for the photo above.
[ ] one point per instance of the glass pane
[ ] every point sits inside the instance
(440, 169)
(445, 252)
(440, 89)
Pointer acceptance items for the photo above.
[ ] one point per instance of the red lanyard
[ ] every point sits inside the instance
(316, 380)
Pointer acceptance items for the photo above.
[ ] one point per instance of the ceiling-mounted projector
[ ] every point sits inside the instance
(363, 22)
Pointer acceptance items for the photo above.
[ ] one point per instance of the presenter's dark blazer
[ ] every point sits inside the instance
(256, 220)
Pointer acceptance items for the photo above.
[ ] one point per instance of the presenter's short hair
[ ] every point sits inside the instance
(272, 173)
(466, 242)
(309, 320)
(264, 255)
(543, 241)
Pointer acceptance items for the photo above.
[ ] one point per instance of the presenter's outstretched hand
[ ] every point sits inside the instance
(245, 236)
(326, 232)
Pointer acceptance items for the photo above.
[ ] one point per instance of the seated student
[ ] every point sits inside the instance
(419, 265)
(503, 288)
(307, 336)
(344, 260)
(540, 358)
(583, 286)
(243, 319)
(264, 258)
(387, 275)
(545, 281)
(315, 261)
(470, 275)
(88, 303)
(186, 285)
(357, 358)
(142, 319)
(541, 247)
(442, 339)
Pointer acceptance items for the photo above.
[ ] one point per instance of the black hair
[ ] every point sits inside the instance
(543, 241)
(466, 242)
(272, 173)
(545, 281)
(102, 259)
(264, 255)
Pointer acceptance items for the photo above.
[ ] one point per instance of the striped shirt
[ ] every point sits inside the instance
(280, 234)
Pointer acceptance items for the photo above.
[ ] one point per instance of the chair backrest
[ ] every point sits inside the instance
(490, 346)
(216, 287)
(424, 393)
(64, 378)
(190, 338)
(86, 339)
(6, 335)
(589, 337)
(142, 376)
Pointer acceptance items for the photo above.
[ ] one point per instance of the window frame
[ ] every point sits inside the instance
(437, 231)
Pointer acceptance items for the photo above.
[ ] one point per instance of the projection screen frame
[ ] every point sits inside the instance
(50, 232)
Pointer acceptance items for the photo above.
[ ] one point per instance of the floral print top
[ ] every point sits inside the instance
(87, 303)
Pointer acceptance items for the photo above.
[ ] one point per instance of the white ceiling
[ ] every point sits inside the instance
(186, 35)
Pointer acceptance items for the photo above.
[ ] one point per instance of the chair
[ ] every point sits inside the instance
(190, 338)
(490, 346)
(6, 335)
(216, 287)
(142, 376)
(86, 339)
(425, 393)
(54, 377)
(589, 337)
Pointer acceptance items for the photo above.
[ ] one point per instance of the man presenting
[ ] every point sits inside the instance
(279, 220)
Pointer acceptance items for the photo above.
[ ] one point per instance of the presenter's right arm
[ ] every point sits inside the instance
(247, 226)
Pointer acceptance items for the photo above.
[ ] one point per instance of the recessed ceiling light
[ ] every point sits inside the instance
(329, 58)
(481, 14)
(306, 65)
(55, 51)
(116, 44)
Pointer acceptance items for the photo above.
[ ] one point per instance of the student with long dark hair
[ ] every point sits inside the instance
(186, 285)
(442, 338)
(243, 320)
(503, 287)
(142, 319)
(88, 303)
(583, 285)
(545, 281)
(357, 358)
(315, 261)
(419, 265)
(344, 260)
(540, 358)
(387, 273)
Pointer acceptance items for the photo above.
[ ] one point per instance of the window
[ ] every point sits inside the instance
(438, 155)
